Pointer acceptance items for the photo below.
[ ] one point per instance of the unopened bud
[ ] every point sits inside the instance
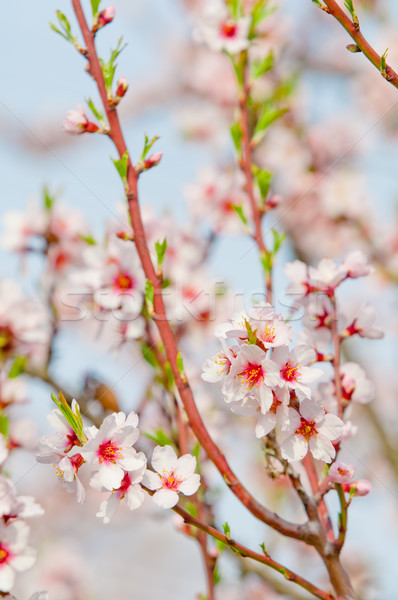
(106, 16)
(153, 160)
(362, 487)
(122, 86)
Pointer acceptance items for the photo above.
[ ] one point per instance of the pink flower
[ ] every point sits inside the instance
(293, 370)
(173, 475)
(363, 324)
(76, 122)
(341, 473)
(220, 32)
(129, 490)
(362, 487)
(356, 265)
(106, 16)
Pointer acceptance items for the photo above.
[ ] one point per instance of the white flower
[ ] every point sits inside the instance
(293, 370)
(363, 324)
(312, 429)
(252, 374)
(173, 475)
(356, 265)
(110, 453)
(220, 32)
(129, 490)
(14, 554)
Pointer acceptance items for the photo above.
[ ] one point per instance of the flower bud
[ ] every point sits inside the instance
(106, 16)
(76, 122)
(122, 86)
(362, 487)
(153, 160)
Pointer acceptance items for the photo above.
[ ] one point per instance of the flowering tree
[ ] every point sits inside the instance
(278, 372)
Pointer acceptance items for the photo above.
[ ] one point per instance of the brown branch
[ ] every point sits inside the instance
(354, 31)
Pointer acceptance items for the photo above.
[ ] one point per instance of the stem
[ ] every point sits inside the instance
(312, 475)
(246, 166)
(245, 552)
(354, 31)
(343, 516)
(296, 531)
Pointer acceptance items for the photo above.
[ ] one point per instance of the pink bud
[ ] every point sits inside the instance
(153, 160)
(362, 487)
(76, 122)
(122, 86)
(341, 473)
(273, 201)
(106, 16)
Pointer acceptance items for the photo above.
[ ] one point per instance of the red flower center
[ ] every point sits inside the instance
(229, 29)
(124, 281)
(307, 429)
(170, 481)
(290, 371)
(252, 375)
(109, 452)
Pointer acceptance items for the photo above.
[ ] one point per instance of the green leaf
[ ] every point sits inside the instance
(148, 355)
(74, 418)
(236, 8)
(216, 575)
(268, 116)
(94, 110)
(147, 146)
(196, 451)
(252, 337)
(161, 248)
(160, 438)
(278, 239)
(63, 21)
(191, 508)
(266, 261)
(169, 374)
(259, 67)
(95, 5)
(317, 2)
(350, 7)
(383, 63)
(3, 425)
(227, 530)
(54, 28)
(17, 367)
(239, 211)
(149, 295)
(180, 365)
(260, 11)
(88, 239)
(48, 200)
(236, 133)
(109, 68)
(263, 179)
(121, 166)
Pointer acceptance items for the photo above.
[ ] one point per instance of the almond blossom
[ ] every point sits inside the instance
(110, 452)
(173, 475)
(311, 429)
(76, 122)
(341, 473)
(221, 32)
(15, 555)
(293, 370)
(252, 374)
(129, 490)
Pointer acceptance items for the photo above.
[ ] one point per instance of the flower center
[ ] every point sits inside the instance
(124, 281)
(223, 362)
(290, 371)
(4, 554)
(170, 481)
(124, 486)
(252, 375)
(228, 29)
(268, 334)
(6, 339)
(307, 429)
(109, 452)
(275, 403)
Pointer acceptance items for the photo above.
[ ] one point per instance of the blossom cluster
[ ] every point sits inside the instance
(107, 453)
(263, 375)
